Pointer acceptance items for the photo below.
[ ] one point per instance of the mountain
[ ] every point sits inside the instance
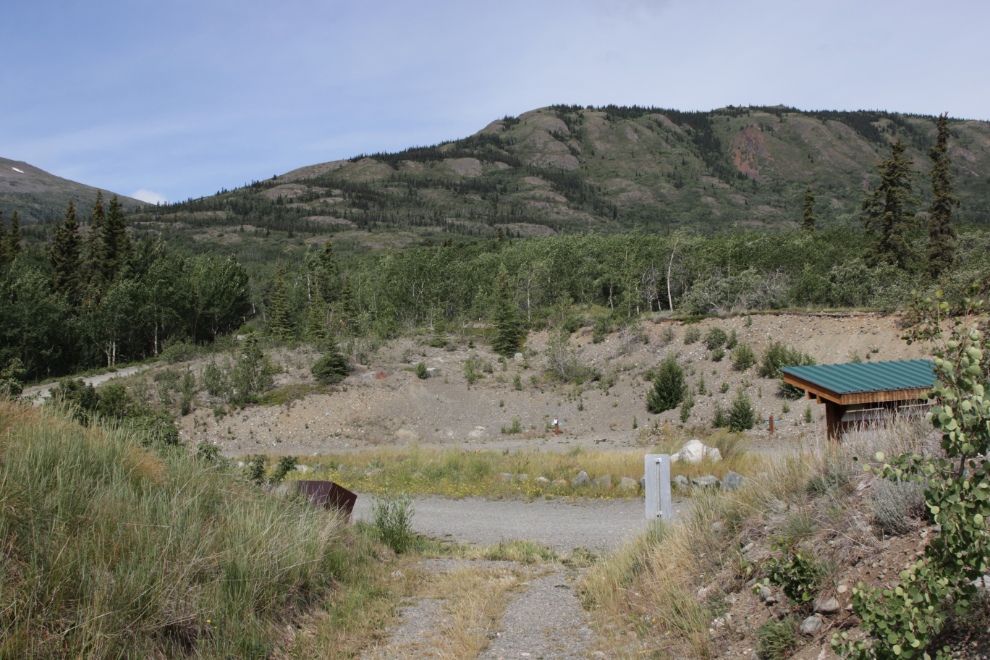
(39, 196)
(607, 169)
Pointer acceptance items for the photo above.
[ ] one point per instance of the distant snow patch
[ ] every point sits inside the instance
(149, 196)
(17, 170)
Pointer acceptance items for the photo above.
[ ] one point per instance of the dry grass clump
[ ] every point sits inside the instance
(113, 549)
(668, 585)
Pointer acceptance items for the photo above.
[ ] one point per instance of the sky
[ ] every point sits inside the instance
(178, 99)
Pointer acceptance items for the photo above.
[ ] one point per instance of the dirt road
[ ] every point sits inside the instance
(39, 393)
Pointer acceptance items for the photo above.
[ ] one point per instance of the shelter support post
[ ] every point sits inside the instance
(833, 419)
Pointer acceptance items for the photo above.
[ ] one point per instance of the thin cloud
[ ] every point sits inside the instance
(149, 196)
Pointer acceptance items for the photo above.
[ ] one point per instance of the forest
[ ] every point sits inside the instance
(102, 290)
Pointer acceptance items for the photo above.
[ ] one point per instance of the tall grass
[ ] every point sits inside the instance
(469, 473)
(112, 549)
(668, 583)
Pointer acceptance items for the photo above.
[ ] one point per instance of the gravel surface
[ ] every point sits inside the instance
(545, 621)
(562, 524)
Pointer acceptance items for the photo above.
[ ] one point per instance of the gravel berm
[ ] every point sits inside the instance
(562, 524)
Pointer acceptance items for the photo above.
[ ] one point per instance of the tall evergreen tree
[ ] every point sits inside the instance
(14, 239)
(328, 273)
(508, 333)
(279, 318)
(347, 307)
(64, 254)
(333, 367)
(94, 238)
(809, 219)
(316, 325)
(941, 234)
(3, 242)
(889, 216)
(115, 246)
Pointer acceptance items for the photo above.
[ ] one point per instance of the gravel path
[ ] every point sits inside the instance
(41, 392)
(545, 621)
(565, 525)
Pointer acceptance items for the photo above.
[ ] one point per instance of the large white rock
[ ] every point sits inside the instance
(694, 451)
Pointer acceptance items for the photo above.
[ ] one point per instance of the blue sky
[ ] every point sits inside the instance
(178, 99)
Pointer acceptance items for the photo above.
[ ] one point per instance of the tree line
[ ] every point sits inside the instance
(91, 297)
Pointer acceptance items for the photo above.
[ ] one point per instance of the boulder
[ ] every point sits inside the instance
(240, 464)
(811, 626)
(682, 481)
(505, 478)
(707, 481)
(765, 592)
(522, 477)
(581, 479)
(304, 468)
(561, 483)
(518, 357)
(733, 480)
(628, 484)
(642, 483)
(604, 481)
(374, 472)
(433, 372)
(827, 606)
(541, 481)
(694, 451)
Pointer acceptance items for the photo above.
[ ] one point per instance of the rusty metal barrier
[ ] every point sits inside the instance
(328, 494)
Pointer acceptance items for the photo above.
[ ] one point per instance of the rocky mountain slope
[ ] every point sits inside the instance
(609, 169)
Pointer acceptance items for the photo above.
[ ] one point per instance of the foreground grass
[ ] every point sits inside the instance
(666, 586)
(116, 549)
(456, 473)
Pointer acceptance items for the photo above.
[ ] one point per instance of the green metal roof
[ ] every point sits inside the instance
(868, 376)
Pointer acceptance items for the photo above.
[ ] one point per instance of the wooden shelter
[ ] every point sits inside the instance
(857, 394)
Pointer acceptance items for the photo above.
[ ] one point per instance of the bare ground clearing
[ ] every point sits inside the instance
(385, 404)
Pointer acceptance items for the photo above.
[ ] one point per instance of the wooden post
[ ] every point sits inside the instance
(556, 426)
(833, 420)
(771, 424)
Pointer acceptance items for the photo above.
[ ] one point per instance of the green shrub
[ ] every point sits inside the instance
(207, 452)
(256, 469)
(686, 405)
(743, 357)
(603, 326)
(10, 384)
(897, 505)
(715, 338)
(731, 342)
(798, 574)
(516, 382)
(777, 640)
(668, 387)
(719, 419)
(718, 354)
(691, 335)
(421, 371)
(253, 374)
(216, 379)
(777, 356)
(285, 465)
(393, 514)
(515, 429)
(667, 335)
(188, 392)
(741, 415)
(724, 387)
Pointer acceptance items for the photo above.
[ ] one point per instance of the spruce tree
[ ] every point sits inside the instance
(64, 254)
(741, 415)
(328, 273)
(508, 333)
(941, 234)
(14, 239)
(3, 242)
(888, 213)
(279, 320)
(348, 310)
(668, 387)
(316, 325)
(93, 240)
(333, 367)
(115, 246)
(809, 219)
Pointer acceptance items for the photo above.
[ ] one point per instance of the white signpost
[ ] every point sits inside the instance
(657, 472)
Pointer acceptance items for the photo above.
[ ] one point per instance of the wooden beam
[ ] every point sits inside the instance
(811, 388)
(833, 420)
